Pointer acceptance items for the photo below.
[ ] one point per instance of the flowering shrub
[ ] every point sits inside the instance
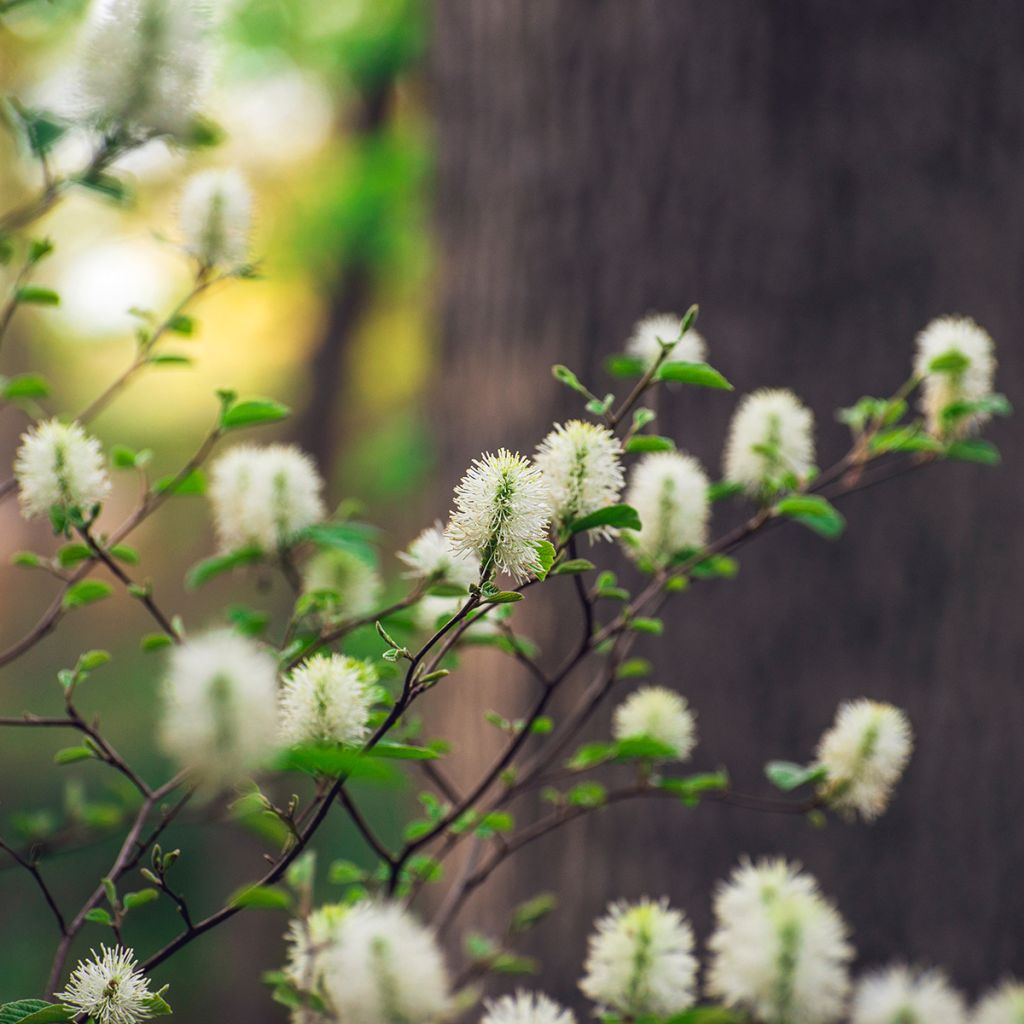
(248, 711)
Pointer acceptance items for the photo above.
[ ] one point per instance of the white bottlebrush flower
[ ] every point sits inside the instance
(327, 699)
(109, 987)
(59, 464)
(216, 218)
(580, 463)
(353, 585)
(526, 1008)
(900, 995)
(653, 712)
(309, 943)
(771, 436)
(145, 64)
(264, 496)
(1005, 1005)
(779, 949)
(648, 334)
(501, 513)
(941, 388)
(669, 491)
(430, 556)
(640, 961)
(220, 708)
(864, 753)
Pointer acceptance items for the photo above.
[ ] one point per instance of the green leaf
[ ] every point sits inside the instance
(568, 378)
(619, 517)
(787, 776)
(402, 752)
(587, 794)
(722, 490)
(69, 755)
(85, 592)
(261, 897)
(35, 1011)
(625, 366)
(952, 361)
(496, 821)
(182, 324)
(192, 483)
(206, 570)
(649, 443)
(344, 872)
(155, 641)
(813, 511)
(43, 130)
(690, 788)
(545, 559)
(974, 450)
(99, 916)
(34, 295)
(169, 359)
(26, 559)
(634, 668)
(93, 660)
(24, 385)
(643, 748)
(140, 898)
(591, 755)
(698, 374)
(333, 761)
(105, 185)
(909, 438)
(715, 567)
(252, 413)
(125, 553)
(157, 1005)
(356, 538)
(574, 566)
(72, 554)
(527, 914)
(645, 625)
(504, 597)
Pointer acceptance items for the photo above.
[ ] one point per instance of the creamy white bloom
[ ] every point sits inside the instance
(109, 987)
(145, 64)
(219, 708)
(264, 496)
(656, 713)
(771, 436)
(309, 942)
(501, 513)
(526, 1008)
(779, 949)
(669, 490)
(59, 464)
(649, 333)
(216, 218)
(865, 753)
(1003, 1006)
(900, 995)
(327, 699)
(431, 556)
(580, 463)
(640, 960)
(941, 388)
(354, 584)
(434, 609)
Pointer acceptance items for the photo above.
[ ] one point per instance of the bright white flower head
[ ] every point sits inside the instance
(434, 608)
(659, 714)
(648, 334)
(220, 708)
(327, 699)
(865, 753)
(109, 987)
(669, 490)
(779, 949)
(501, 513)
(59, 464)
(264, 496)
(1003, 1006)
(580, 463)
(216, 218)
(353, 580)
(900, 995)
(431, 556)
(145, 64)
(640, 961)
(939, 389)
(526, 1008)
(771, 436)
(309, 942)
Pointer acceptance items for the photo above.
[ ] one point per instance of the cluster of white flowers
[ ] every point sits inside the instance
(660, 330)
(216, 218)
(526, 1008)
(220, 708)
(580, 463)
(430, 556)
(864, 753)
(972, 381)
(351, 584)
(109, 988)
(501, 513)
(640, 961)
(327, 699)
(900, 995)
(669, 490)
(1003, 1006)
(779, 949)
(264, 496)
(770, 437)
(656, 713)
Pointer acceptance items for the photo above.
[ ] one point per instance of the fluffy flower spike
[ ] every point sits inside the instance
(526, 1008)
(431, 557)
(351, 584)
(216, 218)
(327, 699)
(652, 333)
(900, 995)
(656, 713)
(109, 987)
(1003, 1006)
(309, 944)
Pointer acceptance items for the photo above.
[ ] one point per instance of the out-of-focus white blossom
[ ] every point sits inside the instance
(264, 496)
(779, 950)
(649, 334)
(431, 557)
(654, 712)
(434, 609)
(526, 1008)
(220, 708)
(900, 995)
(353, 585)
(580, 463)
(771, 436)
(216, 218)
(109, 987)
(865, 753)
(669, 491)
(327, 699)
(640, 961)
(1005, 1005)
(309, 942)
(59, 464)
(501, 513)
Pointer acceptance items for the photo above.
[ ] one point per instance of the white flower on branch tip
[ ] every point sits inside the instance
(669, 491)
(430, 556)
(109, 987)
(309, 941)
(501, 513)
(219, 708)
(649, 333)
(580, 463)
(779, 949)
(941, 388)
(264, 496)
(59, 464)
(771, 437)
(656, 713)
(640, 961)
(864, 753)
(351, 585)
(327, 699)
(1004, 1005)
(526, 1008)
(901, 995)
(433, 611)
(216, 218)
